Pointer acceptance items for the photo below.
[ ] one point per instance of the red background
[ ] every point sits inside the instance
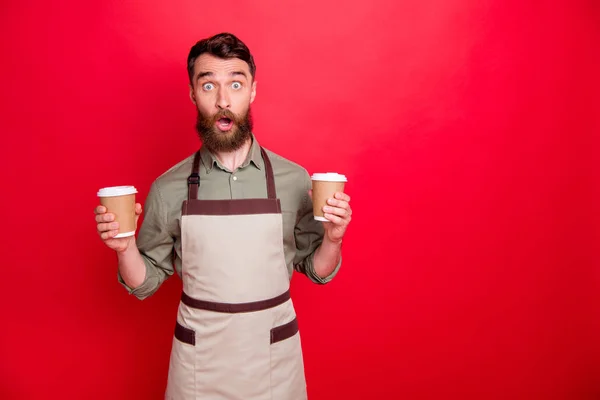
(468, 130)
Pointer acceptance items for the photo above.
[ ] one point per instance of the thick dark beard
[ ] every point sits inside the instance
(217, 141)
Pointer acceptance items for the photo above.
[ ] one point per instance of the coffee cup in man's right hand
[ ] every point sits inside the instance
(120, 201)
(324, 187)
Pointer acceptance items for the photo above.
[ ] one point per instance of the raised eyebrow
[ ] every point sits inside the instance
(211, 74)
(203, 74)
(235, 73)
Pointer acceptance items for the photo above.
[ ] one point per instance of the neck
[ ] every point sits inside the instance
(233, 159)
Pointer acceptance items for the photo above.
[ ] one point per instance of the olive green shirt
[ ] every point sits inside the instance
(159, 239)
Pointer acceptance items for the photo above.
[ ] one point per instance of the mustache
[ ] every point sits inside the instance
(226, 114)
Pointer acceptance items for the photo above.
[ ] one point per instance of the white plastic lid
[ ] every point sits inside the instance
(329, 176)
(116, 191)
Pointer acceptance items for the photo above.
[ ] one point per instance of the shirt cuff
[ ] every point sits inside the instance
(313, 276)
(148, 286)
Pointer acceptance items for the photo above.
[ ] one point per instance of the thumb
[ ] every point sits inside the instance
(138, 211)
(310, 193)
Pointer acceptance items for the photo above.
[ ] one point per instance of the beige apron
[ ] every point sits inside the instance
(236, 336)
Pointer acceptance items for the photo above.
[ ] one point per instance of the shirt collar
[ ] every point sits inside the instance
(254, 156)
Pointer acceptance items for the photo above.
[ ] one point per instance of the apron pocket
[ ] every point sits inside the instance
(181, 382)
(287, 366)
(185, 335)
(285, 331)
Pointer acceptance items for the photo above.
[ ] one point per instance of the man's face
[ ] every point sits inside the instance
(222, 90)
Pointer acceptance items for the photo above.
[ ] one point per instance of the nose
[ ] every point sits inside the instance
(223, 100)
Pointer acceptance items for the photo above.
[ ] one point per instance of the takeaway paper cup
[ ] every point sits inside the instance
(324, 186)
(120, 201)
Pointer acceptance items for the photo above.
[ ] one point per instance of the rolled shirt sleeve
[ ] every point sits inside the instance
(309, 236)
(155, 245)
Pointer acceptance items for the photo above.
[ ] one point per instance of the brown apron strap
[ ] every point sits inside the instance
(271, 192)
(234, 308)
(194, 178)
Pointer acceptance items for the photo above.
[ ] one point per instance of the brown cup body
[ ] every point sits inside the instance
(123, 207)
(321, 192)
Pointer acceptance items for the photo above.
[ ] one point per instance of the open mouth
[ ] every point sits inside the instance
(224, 124)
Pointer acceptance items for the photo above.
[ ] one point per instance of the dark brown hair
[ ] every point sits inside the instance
(223, 45)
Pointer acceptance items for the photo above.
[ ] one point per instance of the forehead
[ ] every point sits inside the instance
(219, 66)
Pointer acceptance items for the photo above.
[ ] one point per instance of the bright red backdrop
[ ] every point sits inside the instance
(467, 129)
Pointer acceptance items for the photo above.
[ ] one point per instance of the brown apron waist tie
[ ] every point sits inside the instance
(233, 308)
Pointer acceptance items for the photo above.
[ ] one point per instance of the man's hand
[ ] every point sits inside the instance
(107, 229)
(338, 213)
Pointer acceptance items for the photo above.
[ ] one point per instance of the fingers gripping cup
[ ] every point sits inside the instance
(324, 186)
(120, 201)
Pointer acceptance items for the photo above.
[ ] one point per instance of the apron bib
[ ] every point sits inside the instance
(236, 334)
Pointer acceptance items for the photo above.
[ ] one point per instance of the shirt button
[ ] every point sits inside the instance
(235, 178)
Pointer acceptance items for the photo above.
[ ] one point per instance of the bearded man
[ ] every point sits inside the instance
(234, 220)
